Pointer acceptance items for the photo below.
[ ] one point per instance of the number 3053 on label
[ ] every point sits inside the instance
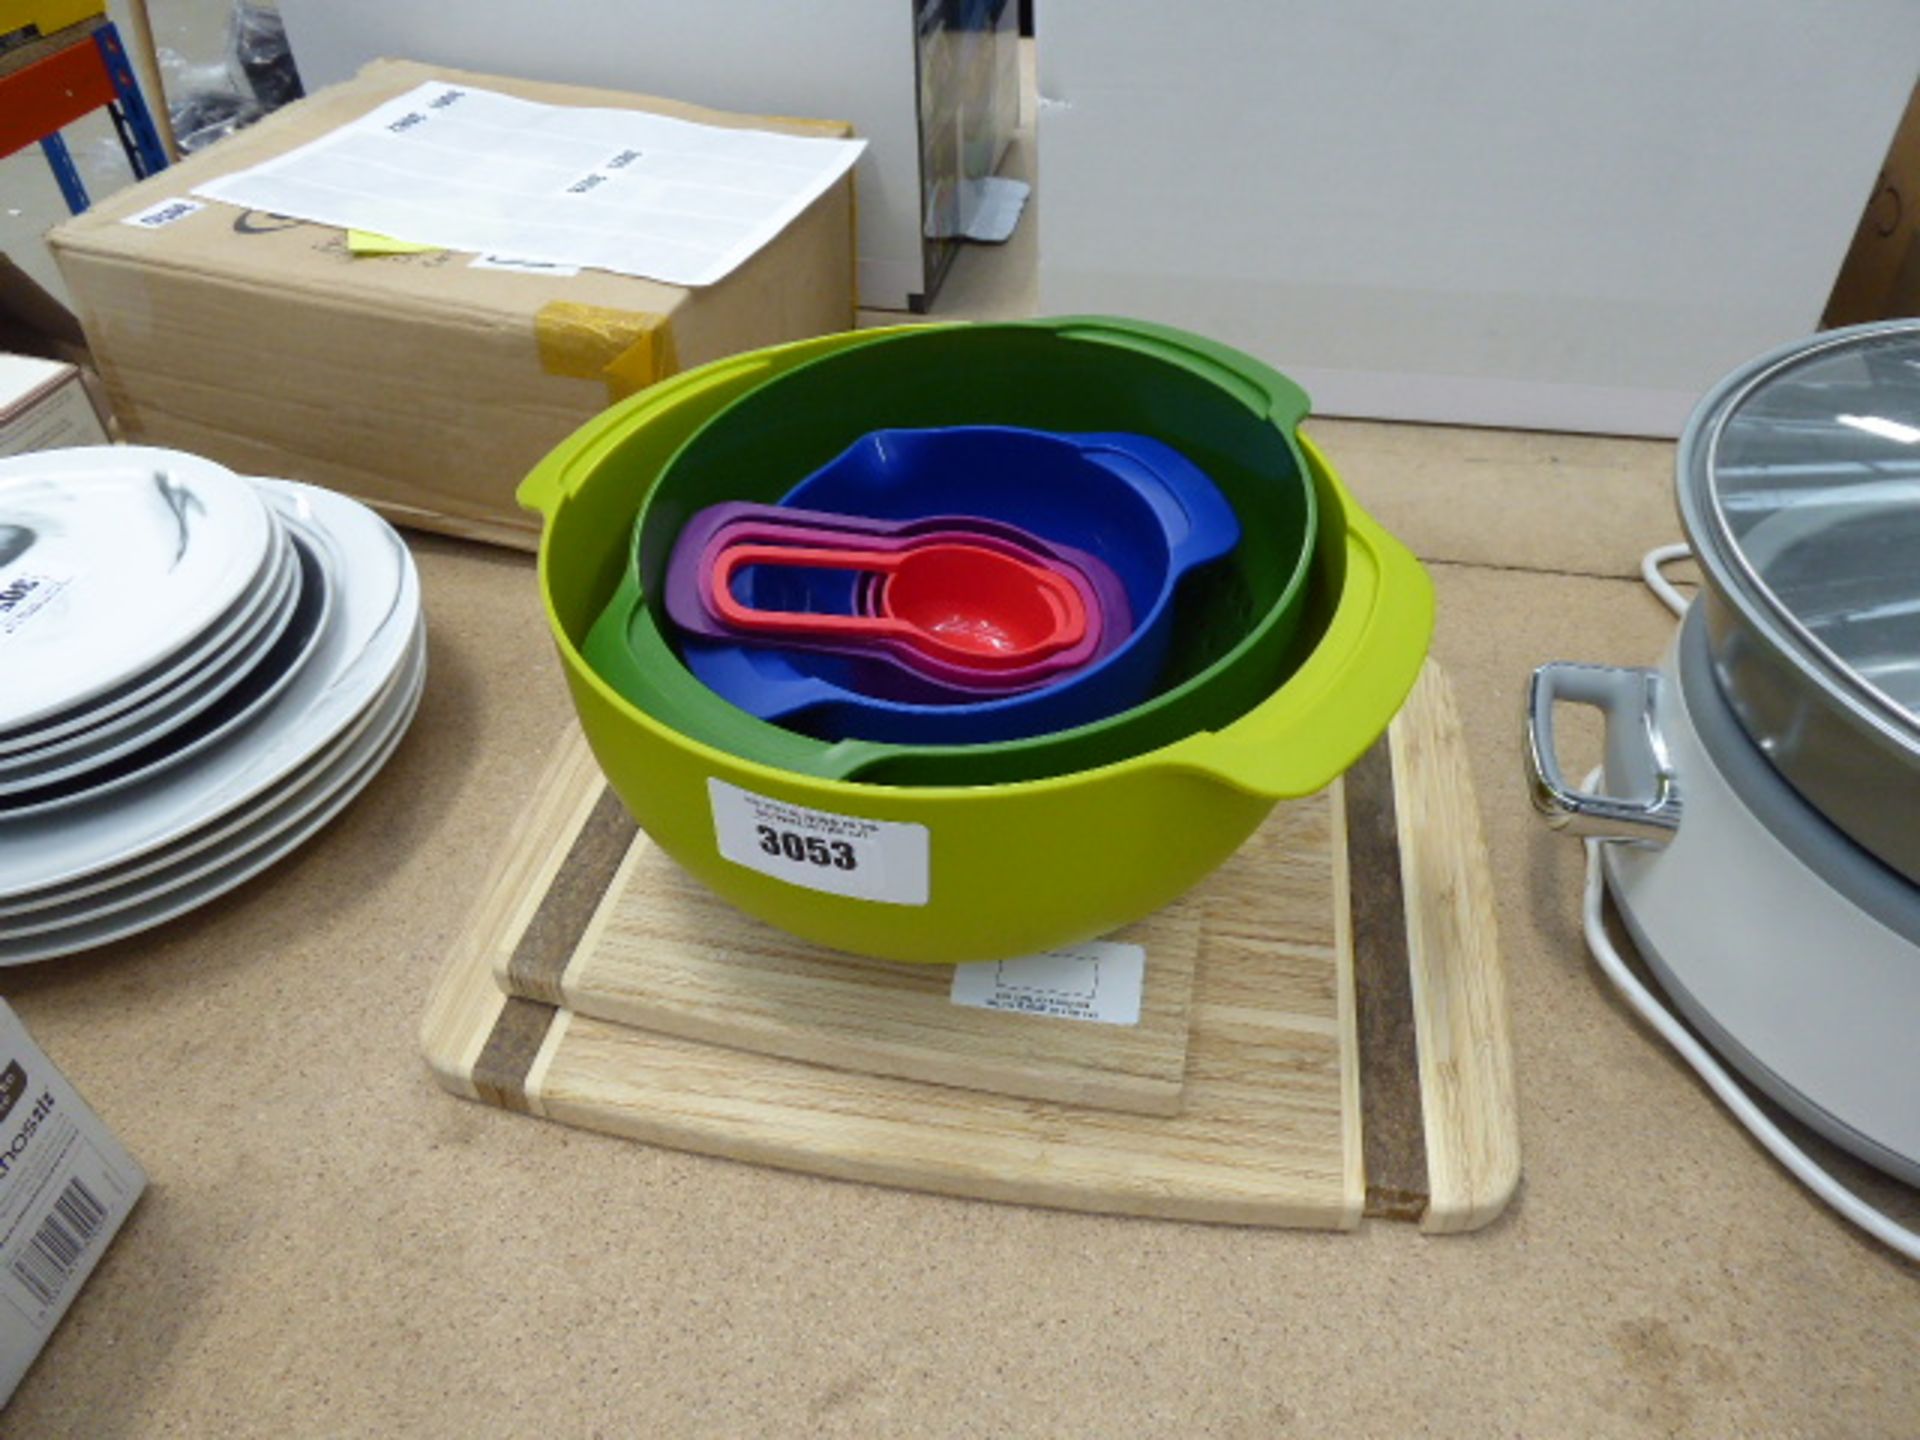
(882, 860)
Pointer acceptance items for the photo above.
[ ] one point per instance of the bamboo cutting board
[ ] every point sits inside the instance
(1346, 1047)
(665, 954)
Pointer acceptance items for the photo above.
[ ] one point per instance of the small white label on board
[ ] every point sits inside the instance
(165, 213)
(1099, 981)
(527, 267)
(883, 860)
(23, 595)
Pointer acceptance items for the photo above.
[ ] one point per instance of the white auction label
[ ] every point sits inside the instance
(884, 860)
(25, 594)
(526, 267)
(1099, 981)
(165, 213)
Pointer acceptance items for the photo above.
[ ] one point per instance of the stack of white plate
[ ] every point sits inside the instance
(197, 671)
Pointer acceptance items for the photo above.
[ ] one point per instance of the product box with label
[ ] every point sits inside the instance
(44, 405)
(419, 382)
(66, 1186)
(1881, 276)
(931, 85)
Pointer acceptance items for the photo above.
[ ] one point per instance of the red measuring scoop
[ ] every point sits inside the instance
(961, 602)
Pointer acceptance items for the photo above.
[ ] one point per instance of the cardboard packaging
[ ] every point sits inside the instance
(44, 405)
(414, 382)
(1881, 276)
(66, 1187)
(932, 126)
(24, 20)
(1557, 217)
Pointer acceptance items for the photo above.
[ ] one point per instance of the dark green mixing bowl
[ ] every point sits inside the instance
(1238, 623)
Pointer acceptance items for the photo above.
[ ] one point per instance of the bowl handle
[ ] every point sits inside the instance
(1208, 526)
(1312, 729)
(1262, 388)
(556, 477)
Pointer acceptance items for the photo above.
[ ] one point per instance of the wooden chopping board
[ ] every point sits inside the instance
(1346, 1049)
(663, 953)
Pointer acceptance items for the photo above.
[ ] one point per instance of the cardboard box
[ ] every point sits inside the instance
(66, 1186)
(44, 405)
(414, 382)
(1561, 217)
(22, 20)
(1881, 275)
(855, 60)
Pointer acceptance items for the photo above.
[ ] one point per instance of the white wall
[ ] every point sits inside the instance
(1555, 213)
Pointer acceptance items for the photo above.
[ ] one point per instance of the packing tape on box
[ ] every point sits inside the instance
(628, 349)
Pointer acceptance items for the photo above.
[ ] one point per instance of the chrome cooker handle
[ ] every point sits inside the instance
(1646, 805)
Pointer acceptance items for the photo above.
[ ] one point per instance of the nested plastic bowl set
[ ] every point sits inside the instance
(1011, 821)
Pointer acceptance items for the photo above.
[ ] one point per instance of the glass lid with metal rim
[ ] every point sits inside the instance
(1800, 489)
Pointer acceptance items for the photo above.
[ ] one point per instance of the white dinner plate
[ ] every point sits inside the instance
(261, 614)
(111, 558)
(224, 722)
(289, 791)
(239, 865)
(376, 609)
(145, 725)
(177, 670)
(386, 716)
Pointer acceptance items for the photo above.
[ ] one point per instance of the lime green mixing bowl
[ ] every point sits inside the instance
(953, 873)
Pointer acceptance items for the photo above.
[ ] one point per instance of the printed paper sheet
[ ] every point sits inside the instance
(463, 168)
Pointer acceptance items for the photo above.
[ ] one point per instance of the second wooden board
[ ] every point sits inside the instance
(665, 954)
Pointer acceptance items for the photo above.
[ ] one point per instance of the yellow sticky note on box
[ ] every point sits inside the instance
(365, 242)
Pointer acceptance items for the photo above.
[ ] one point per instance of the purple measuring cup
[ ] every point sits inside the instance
(901, 673)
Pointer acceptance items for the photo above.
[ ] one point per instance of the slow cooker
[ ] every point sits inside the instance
(1759, 802)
